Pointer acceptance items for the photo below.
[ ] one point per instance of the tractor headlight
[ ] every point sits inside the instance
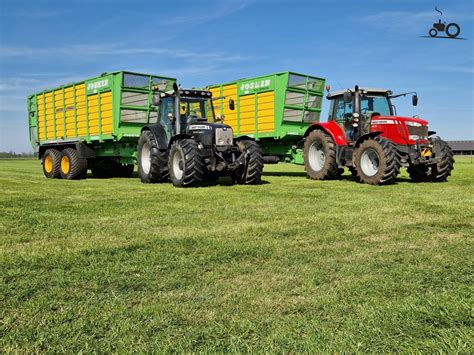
(413, 137)
(413, 124)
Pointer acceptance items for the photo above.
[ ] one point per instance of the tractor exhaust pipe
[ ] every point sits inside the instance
(356, 100)
(177, 114)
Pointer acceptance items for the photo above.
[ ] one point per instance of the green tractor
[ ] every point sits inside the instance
(189, 145)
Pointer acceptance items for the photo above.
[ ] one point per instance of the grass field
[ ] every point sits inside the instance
(289, 265)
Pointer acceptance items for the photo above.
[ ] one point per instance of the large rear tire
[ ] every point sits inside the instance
(52, 163)
(72, 167)
(251, 172)
(152, 161)
(320, 156)
(185, 164)
(376, 162)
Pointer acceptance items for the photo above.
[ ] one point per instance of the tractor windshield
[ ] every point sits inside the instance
(375, 106)
(195, 108)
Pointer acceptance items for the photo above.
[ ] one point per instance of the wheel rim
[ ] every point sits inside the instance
(65, 165)
(178, 165)
(316, 156)
(48, 163)
(370, 162)
(145, 158)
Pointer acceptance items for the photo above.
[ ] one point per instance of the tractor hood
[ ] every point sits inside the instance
(400, 119)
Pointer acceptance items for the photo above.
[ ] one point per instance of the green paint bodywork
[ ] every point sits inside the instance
(121, 144)
(294, 93)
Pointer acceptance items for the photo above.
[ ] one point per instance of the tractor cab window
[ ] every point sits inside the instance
(167, 115)
(193, 108)
(342, 111)
(375, 106)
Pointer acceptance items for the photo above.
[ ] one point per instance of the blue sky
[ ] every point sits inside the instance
(369, 43)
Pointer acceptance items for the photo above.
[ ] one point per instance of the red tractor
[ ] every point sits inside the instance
(365, 134)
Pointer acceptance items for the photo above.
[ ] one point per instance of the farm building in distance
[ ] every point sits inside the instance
(462, 147)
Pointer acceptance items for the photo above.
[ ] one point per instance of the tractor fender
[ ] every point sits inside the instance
(367, 136)
(244, 138)
(159, 133)
(179, 137)
(331, 128)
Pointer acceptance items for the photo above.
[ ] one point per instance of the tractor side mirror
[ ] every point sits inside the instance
(231, 105)
(175, 87)
(347, 97)
(156, 100)
(414, 100)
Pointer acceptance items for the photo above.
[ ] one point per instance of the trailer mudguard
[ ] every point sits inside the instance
(159, 133)
(331, 128)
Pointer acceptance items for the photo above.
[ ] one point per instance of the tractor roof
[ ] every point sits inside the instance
(367, 90)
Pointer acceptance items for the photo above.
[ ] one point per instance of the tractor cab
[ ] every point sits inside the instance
(180, 108)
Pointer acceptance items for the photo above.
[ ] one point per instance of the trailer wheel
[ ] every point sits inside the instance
(152, 161)
(185, 165)
(251, 172)
(51, 163)
(376, 162)
(320, 156)
(72, 167)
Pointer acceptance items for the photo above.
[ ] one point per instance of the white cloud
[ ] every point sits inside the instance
(223, 10)
(90, 50)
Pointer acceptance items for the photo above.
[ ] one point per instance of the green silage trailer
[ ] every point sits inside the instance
(97, 120)
(275, 110)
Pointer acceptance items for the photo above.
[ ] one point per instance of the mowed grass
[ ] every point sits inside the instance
(290, 265)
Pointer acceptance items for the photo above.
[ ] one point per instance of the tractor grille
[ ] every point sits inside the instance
(421, 131)
(224, 136)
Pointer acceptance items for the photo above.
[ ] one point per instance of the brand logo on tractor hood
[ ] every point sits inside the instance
(199, 126)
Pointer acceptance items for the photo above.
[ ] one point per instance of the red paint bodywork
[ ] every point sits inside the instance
(396, 132)
(333, 129)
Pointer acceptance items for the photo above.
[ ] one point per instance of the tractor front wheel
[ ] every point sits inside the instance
(320, 156)
(375, 162)
(438, 172)
(251, 172)
(185, 164)
(152, 161)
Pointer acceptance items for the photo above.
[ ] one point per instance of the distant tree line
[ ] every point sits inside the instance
(13, 155)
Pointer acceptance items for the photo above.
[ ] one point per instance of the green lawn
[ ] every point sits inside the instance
(289, 265)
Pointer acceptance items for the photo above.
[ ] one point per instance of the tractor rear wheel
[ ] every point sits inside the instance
(152, 161)
(72, 167)
(51, 163)
(186, 165)
(251, 172)
(320, 156)
(375, 162)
